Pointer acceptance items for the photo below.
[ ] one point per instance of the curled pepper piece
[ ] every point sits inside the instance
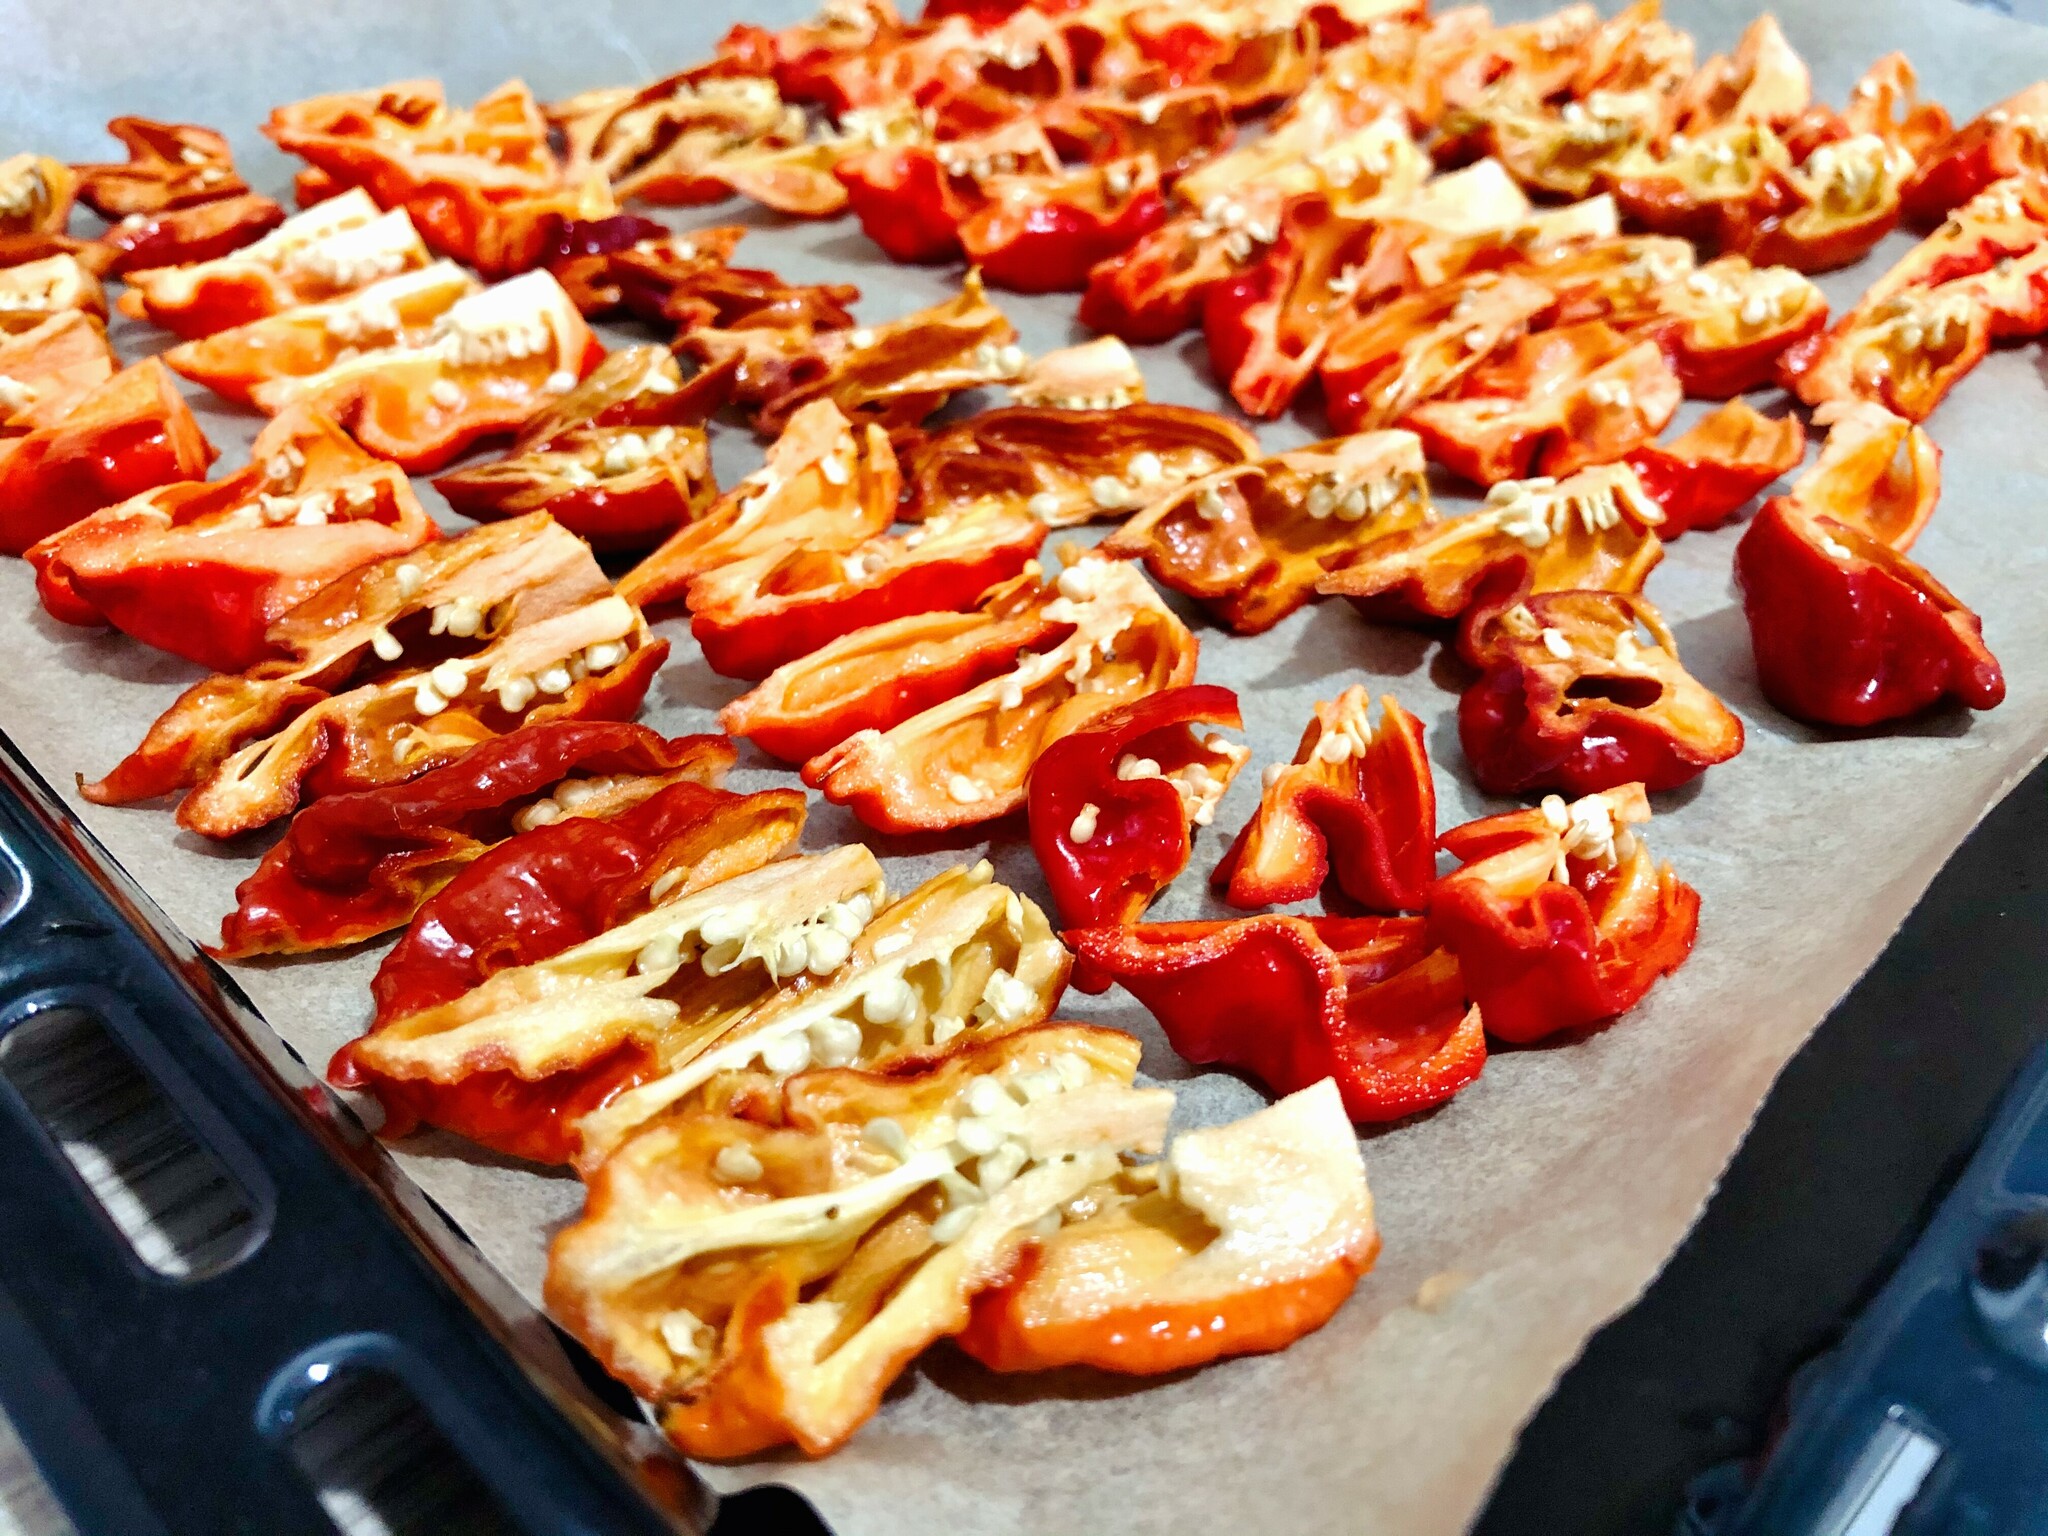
(184, 236)
(914, 199)
(659, 144)
(330, 250)
(490, 361)
(878, 677)
(1727, 325)
(1043, 234)
(353, 866)
(1763, 81)
(1552, 404)
(47, 370)
(1066, 466)
(1849, 632)
(1250, 543)
(965, 761)
(1242, 1239)
(36, 194)
(827, 484)
(1257, 60)
(1583, 691)
(1877, 473)
(170, 165)
(802, 178)
(34, 291)
(765, 1280)
(503, 1014)
(755, 614)
(1373, 1002)
(621, 461)
(1557, 916)
(1846, 198)
(2005, 140)
(379, 672)
(1112, 804)
(1093, 375)
(128, 435)
(633, 264)
(203, 569)
(1702, 476)
(1595, 531)
(1357, 806)
(1179, 129)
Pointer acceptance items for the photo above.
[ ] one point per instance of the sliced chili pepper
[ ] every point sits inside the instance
(1356, 807)
(47, 370)
(1594, 532)
(913, 200)
(2003, 141)
(1198, 1260)
(658, 144)
(1179, 129)
(1255, 61)
(353, 866)
(1727, 326)
(1702, 476)
(130, 434)
(1763, 81)
(965, 761)
(184, 236)
(1251, 542)
(1372, 1002)
(622, 460)
(582, 252)
(800, 56)
(1876, 473)
(1847, 195)
(802, 178)
(1042, 234)
(1112, 805)
(1583, 691)
(33, 291)
(1098, 375)
(170, 165)
(203, 569)
(827, 484)
(759, 613)
(1849, 632)
(1557, 916)
(36, 194)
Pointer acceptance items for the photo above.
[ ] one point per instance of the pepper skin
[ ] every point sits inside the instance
(53, 367)
(1557, 916)
(1701, 477)
(353, 866)
(1373, 1002)
(1043, 234)
(1356, 807)
(183, 236)
(170, 165)
(1849, 632)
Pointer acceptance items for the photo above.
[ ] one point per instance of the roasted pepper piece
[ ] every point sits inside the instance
(1763, 81)
(660, 143)
(2005, 140)
(965, 761)
(687, 283)
(878, 677)
(1702, 476)
(1356, 807)
(1065, 466)
(1250, 543)
(1557, 917)
(1727, 325)
(47, 370)
(1112, 805)
(353, 866)
(522, 604)
(1179, 129)
(621, 461)
(1876, 473)
(184, 236)
(888, 1241)
(1845, 198)
(491, 360)
(1595, 531)
(33, 291)
(1097, 375)
(130, 434)
(1373, 1002)
(170, 165)
(755, 614)
(203, 569)
(1849, 632)
(913, 199)
(802, 178)
(827, 484)
(1570, 697)
(36, 194)
(1042, 234)
(330, 250)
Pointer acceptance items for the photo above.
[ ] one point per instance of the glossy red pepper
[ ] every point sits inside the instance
(1557, 916)
(2004, 140)
(1356, 808)
(1849, 632)
(1370, 1001)
(913, 200)
(1113, 805)
(132, 433)
(1727, 326)
(170, 165)
(353, 866)
(1043, 234)
(1701, 477)
(179, 236)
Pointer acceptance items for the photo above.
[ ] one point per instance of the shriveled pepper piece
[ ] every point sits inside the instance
(1091, 375)
(1250, 543)
(1593, 531)
(878, 677)
(203, 569)
(1112, 805)
(47, 370)
(622, 460)
(1702, 476)
(130, 434)
(827, 484)
(1374, 1002)
(34, 291)
(786, 1304)
(170, 165)
(755, 614)
(1569, 697)
(1180, 129)
(660, 144)
(965, 761)
(195, 233)
(353, 866)
(1356, 807)
(1246, 1237)
(2004, 140)
(1849, 632)
(1557, 916)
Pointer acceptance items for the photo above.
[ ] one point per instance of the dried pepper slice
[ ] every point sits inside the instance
(1702, 476)
(170, 165)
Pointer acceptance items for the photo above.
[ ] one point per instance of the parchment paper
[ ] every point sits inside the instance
(1519, 1217)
